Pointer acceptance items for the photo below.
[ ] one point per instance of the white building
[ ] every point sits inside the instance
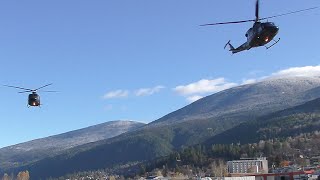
(259, 165)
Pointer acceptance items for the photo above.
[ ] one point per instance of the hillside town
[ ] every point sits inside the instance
(242, 169)
(251, 169)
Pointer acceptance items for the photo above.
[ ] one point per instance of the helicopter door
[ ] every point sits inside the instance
(249, 34)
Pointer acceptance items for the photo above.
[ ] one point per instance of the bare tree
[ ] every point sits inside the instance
(6, 177)
(24, 175)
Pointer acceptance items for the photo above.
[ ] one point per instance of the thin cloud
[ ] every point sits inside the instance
(204, 86)
(116, 94)
(194, 98)
(248, 81)
(148, 91)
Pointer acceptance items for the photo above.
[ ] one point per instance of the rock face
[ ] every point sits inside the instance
(49, 146)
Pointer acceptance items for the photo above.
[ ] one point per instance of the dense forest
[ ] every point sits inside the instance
(296, 150)
(211, 159)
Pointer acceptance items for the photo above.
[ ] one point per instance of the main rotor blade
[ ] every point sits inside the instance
(49, 91)
(231, 22)
(257, 10)
(18, 87)
(293, 12)
(25, 91)
(43, 86)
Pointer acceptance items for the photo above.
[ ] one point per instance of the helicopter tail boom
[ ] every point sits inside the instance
(243, 47)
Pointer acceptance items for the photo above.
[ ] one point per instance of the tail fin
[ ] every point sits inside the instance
(231, 47)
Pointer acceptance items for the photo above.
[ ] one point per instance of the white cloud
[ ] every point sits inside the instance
(116, 94)
(197, 90)
(309, 71)
(194, 98)
(204, 86)
(248, 81)
(148, 91)
(305, 71)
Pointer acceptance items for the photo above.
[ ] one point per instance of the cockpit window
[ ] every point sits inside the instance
(269, 24)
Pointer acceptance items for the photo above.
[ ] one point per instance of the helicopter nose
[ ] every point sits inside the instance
(274, 29)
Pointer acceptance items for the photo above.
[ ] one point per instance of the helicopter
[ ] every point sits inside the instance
(260, 34)
(33, 98)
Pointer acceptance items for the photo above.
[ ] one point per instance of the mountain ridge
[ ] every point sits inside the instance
(38, 148)
(278, 85)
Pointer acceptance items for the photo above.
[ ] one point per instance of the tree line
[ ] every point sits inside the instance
(23, 175)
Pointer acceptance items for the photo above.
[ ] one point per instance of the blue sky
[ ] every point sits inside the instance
(134, 60)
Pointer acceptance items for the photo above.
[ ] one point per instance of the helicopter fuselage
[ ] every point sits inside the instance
(261, 34)
(34, 99)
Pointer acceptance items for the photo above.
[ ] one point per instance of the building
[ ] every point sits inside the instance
(259, 165)
(315, 160)
(298, 175)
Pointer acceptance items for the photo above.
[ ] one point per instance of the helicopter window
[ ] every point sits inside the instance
(269, 24)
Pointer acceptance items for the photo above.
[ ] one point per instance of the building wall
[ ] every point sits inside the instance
(315, 160)
(240, 178)
(270, 177)
(259, 165)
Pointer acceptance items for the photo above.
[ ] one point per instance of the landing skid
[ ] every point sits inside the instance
(30, 106)
(275, 42)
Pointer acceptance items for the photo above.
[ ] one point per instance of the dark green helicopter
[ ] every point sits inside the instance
(260, 34)
(33, 98)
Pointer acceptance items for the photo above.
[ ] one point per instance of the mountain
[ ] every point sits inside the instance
(275, 127)
(292, 131)
(304, 118)
(221, 111)
(37, 149)
(251, 99)
(193, 124)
